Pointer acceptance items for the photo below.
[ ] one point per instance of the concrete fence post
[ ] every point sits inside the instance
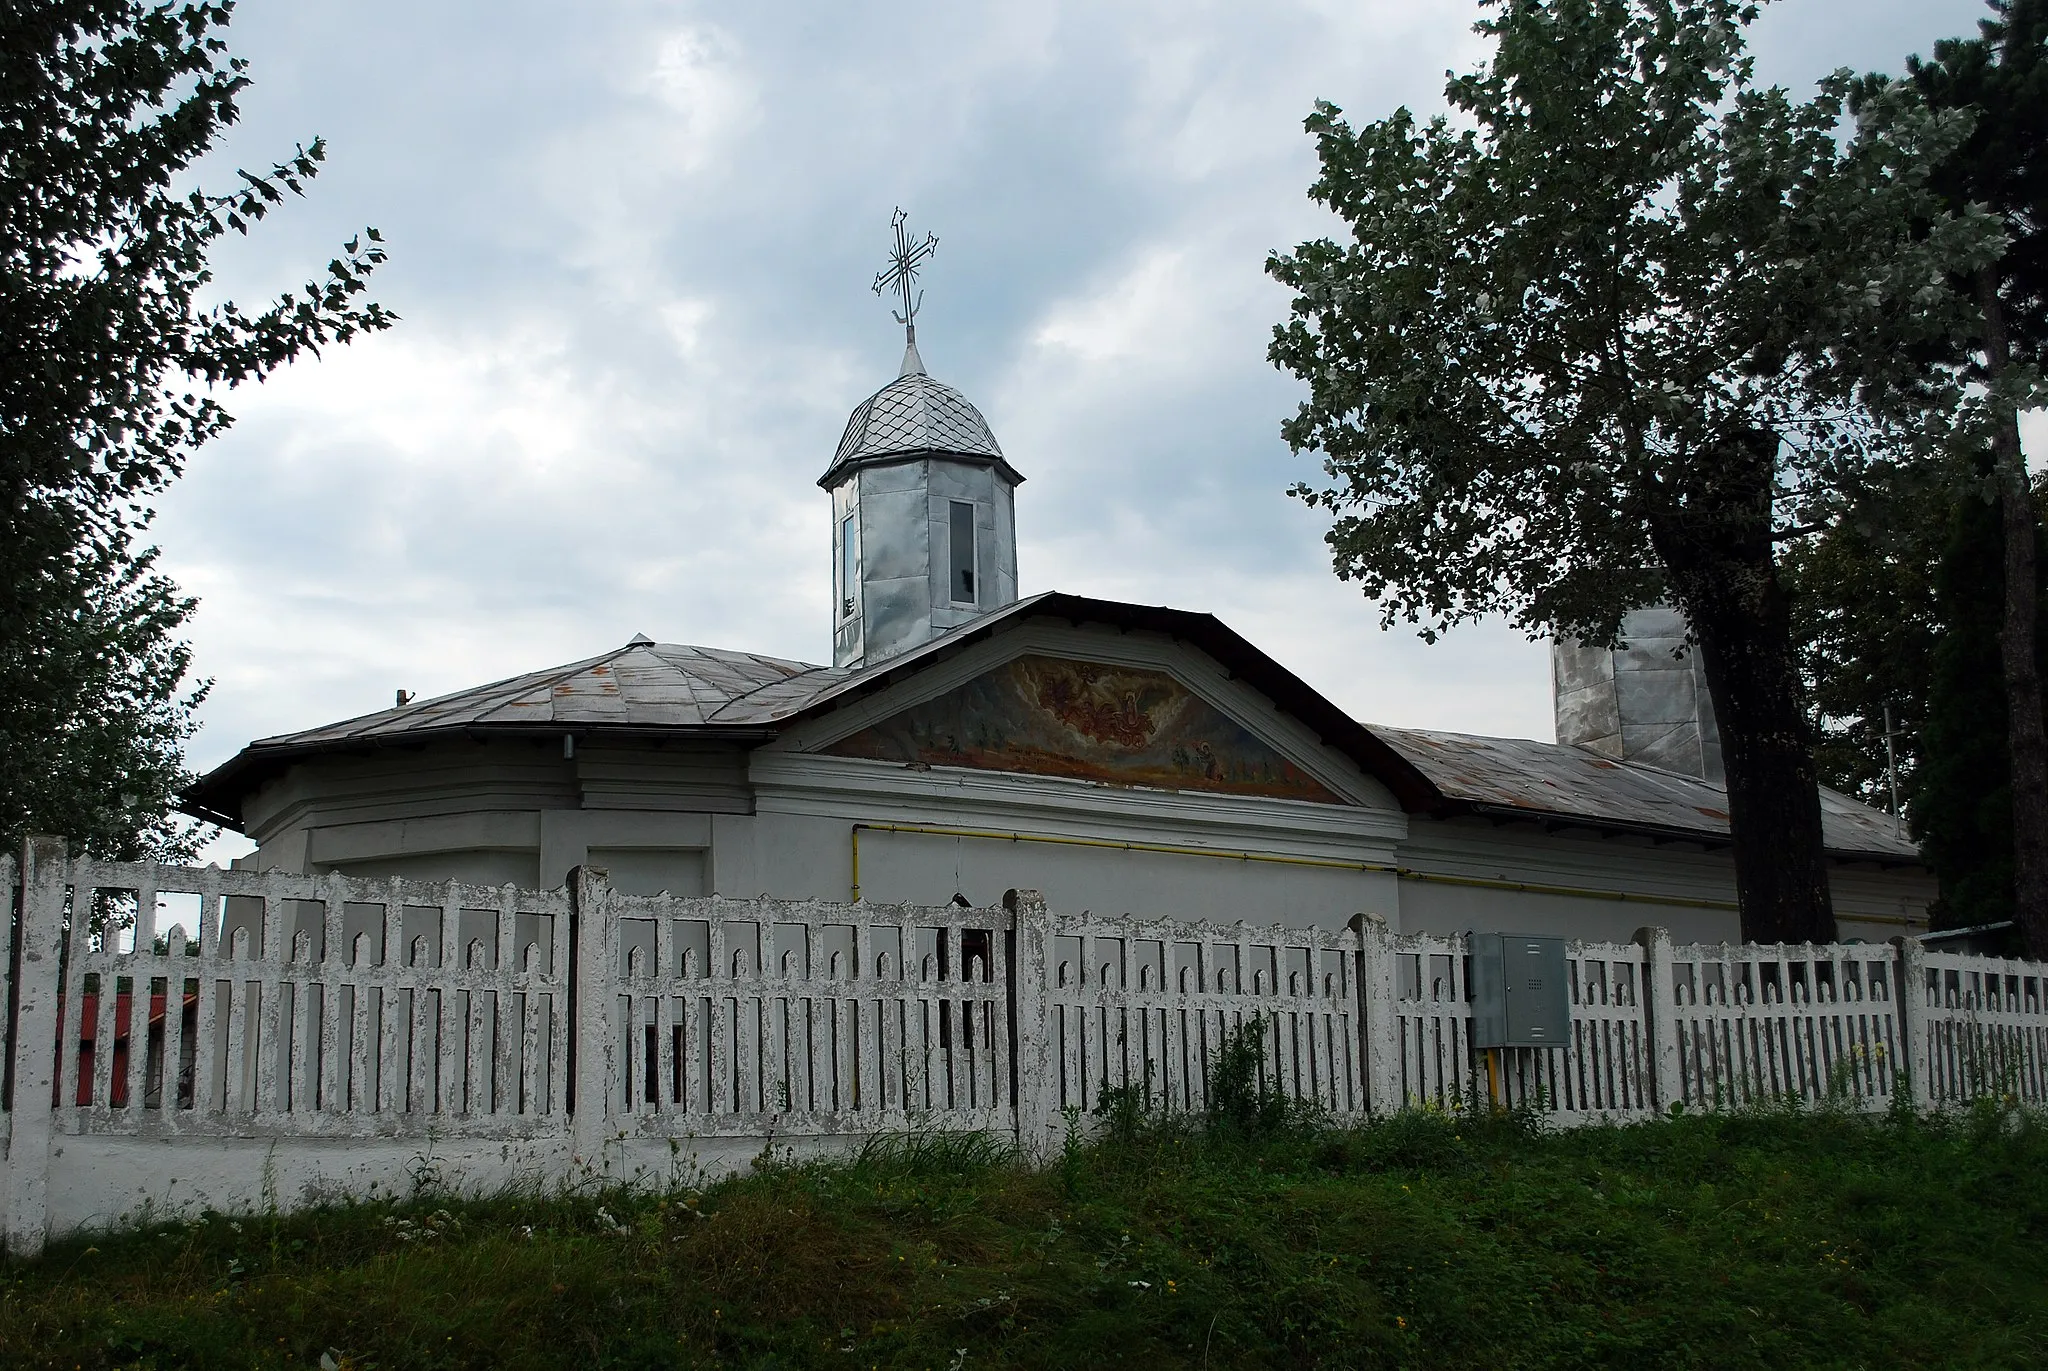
(10, 922)
(594, 1022)
(1379, 1020)
(1660, 1008)
(45, 873)
(1031, 1028)
(1915, 1049)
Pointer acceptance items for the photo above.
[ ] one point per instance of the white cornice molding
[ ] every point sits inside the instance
(504, 830)
(1465, 849)
(860, 790)
(1185, 663)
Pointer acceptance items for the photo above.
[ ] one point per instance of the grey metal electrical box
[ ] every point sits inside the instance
(1520, 993)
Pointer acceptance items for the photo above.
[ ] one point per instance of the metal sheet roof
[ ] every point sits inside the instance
(1545, 780)
(642, 685)
(656, 688)
(914, 414)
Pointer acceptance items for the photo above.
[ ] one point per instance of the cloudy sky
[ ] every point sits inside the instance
(631, 246)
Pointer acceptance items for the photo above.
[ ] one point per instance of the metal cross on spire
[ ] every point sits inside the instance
(905, 260)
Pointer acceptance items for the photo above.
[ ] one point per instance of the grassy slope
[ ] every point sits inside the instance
(1760, 1240)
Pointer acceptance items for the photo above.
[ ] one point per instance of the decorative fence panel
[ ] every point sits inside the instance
(163, 1021)
(1761, 1022)
(1603, 1068)
(744, 1017)
(1983, 1027)
(309, 1005)
(1430, 1017)
(1145, 1005)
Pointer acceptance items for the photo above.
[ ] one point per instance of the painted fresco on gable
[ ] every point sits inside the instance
(1053, 717)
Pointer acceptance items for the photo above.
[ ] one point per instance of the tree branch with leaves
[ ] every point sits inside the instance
(1593, 335)
(111, 373)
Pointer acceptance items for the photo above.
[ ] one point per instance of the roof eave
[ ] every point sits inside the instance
(217, 796)
(841, 467)
(1711, 839)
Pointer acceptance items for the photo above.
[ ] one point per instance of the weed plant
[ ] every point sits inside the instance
(1255, 1235)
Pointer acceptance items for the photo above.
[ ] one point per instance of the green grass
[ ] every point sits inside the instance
(1772, 1239)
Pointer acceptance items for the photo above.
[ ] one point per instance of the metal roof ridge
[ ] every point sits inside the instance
(546, 676)
(728, 654)
(809, 669)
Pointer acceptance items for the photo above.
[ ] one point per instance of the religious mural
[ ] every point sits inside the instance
(1053, 717)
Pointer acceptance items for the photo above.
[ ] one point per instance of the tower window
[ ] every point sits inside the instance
(963, 552)
(849, 567)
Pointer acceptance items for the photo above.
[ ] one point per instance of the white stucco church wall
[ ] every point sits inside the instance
(801, 842)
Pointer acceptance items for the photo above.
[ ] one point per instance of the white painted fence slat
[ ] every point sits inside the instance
(262, 1015)
(135, 1089)
(334, 1062)
(211, 904)
(304, 1065)
(104, 967)
(359, 1098)
(71, 1015)
(172, 1106)
(442, 1092)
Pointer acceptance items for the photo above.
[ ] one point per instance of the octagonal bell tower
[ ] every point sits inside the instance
(924, 525)
(924, 522)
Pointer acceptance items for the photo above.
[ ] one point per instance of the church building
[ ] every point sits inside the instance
(964, 740)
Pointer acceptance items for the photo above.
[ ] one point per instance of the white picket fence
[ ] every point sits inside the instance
(735, 1016)
(1602, 1070)
(1146, 1004)
(320, 1005)
(1755, 1023)
(181, 1037)
(1978, 1026)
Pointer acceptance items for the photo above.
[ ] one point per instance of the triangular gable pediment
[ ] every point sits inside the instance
(1124, 724)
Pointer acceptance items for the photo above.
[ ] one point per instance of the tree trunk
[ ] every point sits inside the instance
(1716, 544)
(2024, 728)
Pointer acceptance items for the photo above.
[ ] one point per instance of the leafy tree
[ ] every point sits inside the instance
(1582, 344)
(96, 744)
(1865, 621)
(111, 368)
(1963, 812)
(1899, 604)
(2001, 79)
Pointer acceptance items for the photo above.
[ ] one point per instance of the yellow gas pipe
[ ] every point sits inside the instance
(1379, 868)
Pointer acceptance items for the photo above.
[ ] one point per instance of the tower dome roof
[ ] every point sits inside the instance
(913, 416)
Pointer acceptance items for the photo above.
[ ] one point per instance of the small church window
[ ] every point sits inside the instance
(848, 567)
(963, 552)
